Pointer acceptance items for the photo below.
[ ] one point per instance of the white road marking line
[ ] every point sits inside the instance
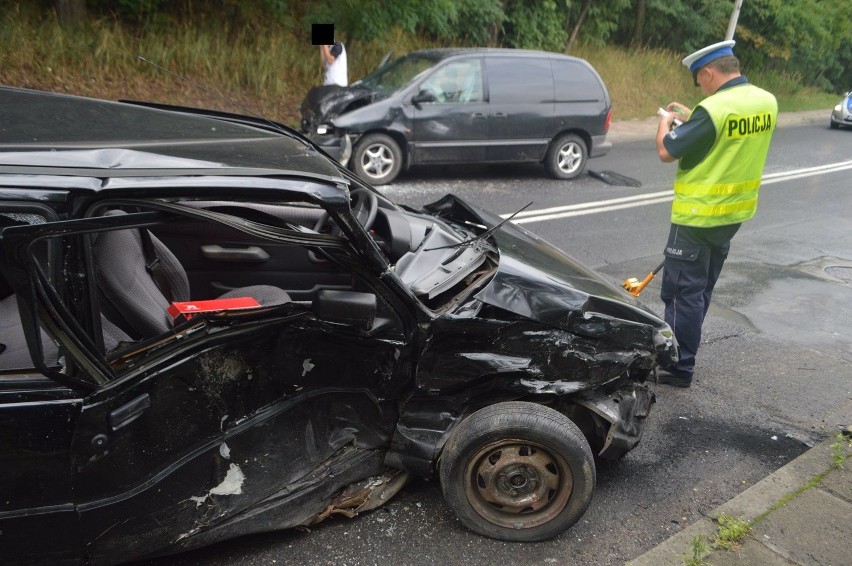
(609, 205)
(593, 210)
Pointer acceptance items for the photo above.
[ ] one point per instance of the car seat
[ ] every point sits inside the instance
(14, 353)
(131, 295)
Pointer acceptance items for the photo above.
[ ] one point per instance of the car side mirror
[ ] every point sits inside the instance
(424, 95)
(346, 307)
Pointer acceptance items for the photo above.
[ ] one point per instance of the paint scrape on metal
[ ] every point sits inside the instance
(232, 484)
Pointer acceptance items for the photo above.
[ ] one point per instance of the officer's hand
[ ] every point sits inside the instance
(683, 112)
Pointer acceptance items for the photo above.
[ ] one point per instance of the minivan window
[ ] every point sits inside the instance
(575, 82)
(518, 80)
(459, 81)
(395, 75)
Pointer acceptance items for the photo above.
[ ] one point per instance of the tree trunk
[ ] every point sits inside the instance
(497, 29)
(639, 28)
(576, 31)
(71, 13)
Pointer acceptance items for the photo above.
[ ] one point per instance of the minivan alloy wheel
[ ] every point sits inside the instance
(566, 157)
(570, 157)
(377, 159)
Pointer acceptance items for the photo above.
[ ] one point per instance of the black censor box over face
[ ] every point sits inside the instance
(322, 34)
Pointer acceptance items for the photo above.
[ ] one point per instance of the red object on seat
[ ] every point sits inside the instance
(188, 308)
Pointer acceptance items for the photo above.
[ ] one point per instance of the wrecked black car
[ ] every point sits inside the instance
(210, 329)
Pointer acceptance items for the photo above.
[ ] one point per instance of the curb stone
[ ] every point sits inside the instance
(754, 502)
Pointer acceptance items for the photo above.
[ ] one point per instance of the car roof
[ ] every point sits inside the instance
(46, 133)
(440, 53)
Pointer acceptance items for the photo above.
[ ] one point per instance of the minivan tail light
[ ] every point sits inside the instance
(608, 121)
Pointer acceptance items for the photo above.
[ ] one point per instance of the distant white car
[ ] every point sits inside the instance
(842, 113)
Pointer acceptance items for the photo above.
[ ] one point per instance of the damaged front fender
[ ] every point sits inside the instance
(624, 411)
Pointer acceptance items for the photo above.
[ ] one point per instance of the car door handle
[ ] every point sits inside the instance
(477, 115)
(129, 412)
(500, 115)
(249, 253)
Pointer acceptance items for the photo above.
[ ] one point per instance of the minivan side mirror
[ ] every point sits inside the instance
(346, 307)
(424, 95)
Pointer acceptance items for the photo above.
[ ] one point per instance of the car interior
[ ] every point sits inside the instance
(136, 287)
(140, 272)
(14, 352)
(459, 81)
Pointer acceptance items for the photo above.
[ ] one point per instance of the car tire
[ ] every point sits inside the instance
(833, 125)
(566, 157)
(518, 472)
(377, 159)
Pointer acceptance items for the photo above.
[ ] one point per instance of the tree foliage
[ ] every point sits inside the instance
(471, 21)
(535, 25)
(811, 39)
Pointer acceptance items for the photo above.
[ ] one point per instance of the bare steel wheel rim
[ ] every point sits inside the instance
(569, 158)
(518, 484)
(377, 160)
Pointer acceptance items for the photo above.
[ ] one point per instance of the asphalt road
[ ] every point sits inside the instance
(773, 375)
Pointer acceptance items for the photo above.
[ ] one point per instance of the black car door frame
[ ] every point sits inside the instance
(152, 451)
(38, 413)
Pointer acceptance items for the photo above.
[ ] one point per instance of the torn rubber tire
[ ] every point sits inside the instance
(517, 471)
(566, 157)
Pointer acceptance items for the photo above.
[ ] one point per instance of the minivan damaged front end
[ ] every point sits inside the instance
(326, 121)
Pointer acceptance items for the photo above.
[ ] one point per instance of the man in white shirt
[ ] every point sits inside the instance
(334, 63)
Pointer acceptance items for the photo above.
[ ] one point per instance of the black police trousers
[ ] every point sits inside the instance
(693, 260)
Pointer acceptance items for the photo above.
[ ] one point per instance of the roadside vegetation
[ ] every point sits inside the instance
(731, 531)
(258, 53)
(696, 553)
(840, 450)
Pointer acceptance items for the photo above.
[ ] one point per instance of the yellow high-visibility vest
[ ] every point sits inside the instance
(722, 188)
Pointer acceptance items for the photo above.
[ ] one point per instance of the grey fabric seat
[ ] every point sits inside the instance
(130, 294)
(16, 355)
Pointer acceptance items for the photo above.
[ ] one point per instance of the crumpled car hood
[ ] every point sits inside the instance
(324, 102)
(537, 281)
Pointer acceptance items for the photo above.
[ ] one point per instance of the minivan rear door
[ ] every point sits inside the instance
(520, 91)
(453, 128)
(580, 97)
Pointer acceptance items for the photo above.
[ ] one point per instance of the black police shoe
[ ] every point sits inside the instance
(672, 376)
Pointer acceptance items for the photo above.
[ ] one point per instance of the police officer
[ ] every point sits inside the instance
(721, 149)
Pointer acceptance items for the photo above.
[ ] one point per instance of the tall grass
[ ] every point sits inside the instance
(269, 71)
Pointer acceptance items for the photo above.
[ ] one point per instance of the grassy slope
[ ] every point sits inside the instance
(269, 72)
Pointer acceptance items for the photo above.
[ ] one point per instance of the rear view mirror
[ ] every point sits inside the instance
(424, 95)
(346, 307)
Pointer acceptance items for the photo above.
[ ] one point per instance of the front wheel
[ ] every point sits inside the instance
(377, 159)
(517, 471)
(566, 157)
